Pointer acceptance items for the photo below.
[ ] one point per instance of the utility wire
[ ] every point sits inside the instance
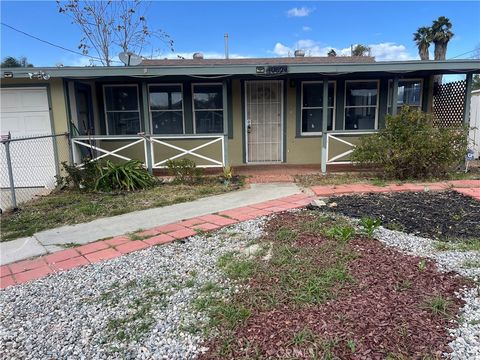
(55, 45)
(465, 53)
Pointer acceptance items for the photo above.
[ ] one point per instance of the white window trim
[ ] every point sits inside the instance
(390, 90)
(345, 107)
(120, 111)
(316, 133)
(150, 107)
(194, 111)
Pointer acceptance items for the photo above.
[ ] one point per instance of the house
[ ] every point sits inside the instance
(262, 111)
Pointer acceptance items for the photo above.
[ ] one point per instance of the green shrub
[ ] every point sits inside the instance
(84, 177)
(410, 146)
(369, 225)
(127, 176)
(184, 171)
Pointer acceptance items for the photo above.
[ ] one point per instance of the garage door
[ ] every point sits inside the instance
(25, 113)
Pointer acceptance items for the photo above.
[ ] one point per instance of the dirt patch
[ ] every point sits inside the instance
(439, 215)
(387, 305)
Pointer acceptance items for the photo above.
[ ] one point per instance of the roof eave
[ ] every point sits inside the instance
(399, 67)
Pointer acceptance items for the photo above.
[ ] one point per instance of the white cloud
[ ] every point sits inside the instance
(388, 51)
(306, 28)
(299, 12)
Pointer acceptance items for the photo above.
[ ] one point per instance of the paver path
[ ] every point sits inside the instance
(23, 271)
(52, 240)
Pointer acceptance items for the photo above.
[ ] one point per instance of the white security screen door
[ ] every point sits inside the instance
(264, 117)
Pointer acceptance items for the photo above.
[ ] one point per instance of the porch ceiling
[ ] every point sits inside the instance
(389, 67)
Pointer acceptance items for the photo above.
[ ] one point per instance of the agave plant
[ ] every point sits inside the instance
(128, 176)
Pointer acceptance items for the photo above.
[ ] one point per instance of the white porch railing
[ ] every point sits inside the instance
(96, 145)
(192, 152)
(336, 137)
(87, 142)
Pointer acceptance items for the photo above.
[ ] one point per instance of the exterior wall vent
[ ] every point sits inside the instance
(198, 55)
(299, 53)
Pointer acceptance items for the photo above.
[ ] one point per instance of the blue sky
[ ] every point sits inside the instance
(256, 29)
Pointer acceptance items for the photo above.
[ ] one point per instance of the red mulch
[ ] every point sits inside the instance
(375, 311)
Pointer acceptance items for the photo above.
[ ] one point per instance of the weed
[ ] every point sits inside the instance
(352, 345)
(458, 245)
(70, 245)
(438, 305)
(403, 285)
(316, 225)
(471, 264)
(379, 182)
(339, 232)
(369, 225)
(240, 269)
(395, 226)
(422, 265)
(303, 336)
(190, 283)
(285, 235)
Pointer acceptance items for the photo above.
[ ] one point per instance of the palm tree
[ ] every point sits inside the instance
(441, 35)
(332, 53)
(423, 39)
(11, 62)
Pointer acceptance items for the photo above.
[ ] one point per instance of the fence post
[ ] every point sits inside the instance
(10, 172)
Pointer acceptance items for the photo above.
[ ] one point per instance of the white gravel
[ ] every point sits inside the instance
(466, 343)
(135, 306)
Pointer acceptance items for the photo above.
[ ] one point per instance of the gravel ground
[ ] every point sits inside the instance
(135, 306)
(466, 343)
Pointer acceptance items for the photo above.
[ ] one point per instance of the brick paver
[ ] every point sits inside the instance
(102, 255)
(25, 265)
(70, 263)
(34, 274)
(61, 256)
(4, 271)
(92, 247)
(32, 269)
(159, 239)
(131, 246)
(6, 281)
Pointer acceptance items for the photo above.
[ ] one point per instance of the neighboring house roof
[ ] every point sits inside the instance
(310, 60)
(230, 67)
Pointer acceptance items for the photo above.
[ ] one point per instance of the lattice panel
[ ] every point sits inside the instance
(448, 104)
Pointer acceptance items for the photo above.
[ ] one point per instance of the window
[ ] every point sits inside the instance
(361, 102)
(166, 109)
(208, 108)
(312, 106)
(122, 111)
(409, 93)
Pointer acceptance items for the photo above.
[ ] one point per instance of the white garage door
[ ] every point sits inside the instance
(25, 113)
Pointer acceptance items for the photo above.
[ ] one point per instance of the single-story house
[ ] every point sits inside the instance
(257, 111)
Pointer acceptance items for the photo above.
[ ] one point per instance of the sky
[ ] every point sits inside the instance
(256, 29)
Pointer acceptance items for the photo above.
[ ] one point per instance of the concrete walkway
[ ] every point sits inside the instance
(50, 241)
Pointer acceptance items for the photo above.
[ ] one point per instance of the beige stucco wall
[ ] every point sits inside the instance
(235, 145)
(304, 150)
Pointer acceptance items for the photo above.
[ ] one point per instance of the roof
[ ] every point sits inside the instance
(311, 60)
(204, 69)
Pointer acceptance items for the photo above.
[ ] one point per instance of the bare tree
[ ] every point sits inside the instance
(106, 25)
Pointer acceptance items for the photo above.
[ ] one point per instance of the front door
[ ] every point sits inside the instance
(264, 117)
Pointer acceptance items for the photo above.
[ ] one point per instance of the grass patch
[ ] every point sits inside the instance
(438, 305)
(471, 264)
(67, 207)
(460, 245)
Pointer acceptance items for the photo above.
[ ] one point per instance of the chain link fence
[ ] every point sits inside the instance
(29, 166)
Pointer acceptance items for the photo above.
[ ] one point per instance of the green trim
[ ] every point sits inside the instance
(285, 85)
(298, 110)
(187, 107)
(230, 109)
(383, 102)
(439, 67)
(244, 140)
(468, 98)
(340, 104)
